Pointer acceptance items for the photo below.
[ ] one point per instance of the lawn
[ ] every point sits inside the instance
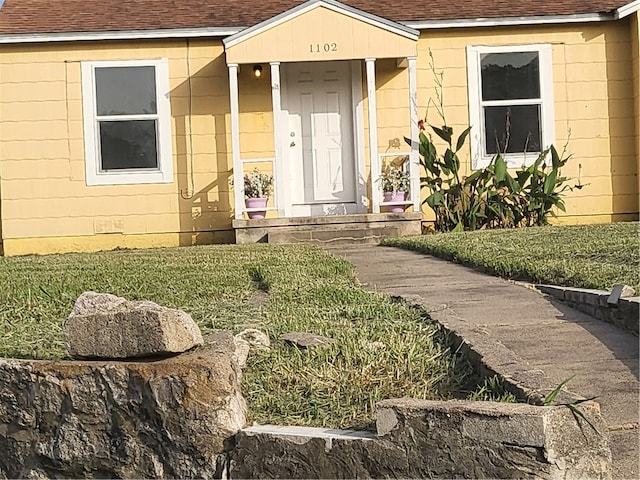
(383, 348)
(586, 256)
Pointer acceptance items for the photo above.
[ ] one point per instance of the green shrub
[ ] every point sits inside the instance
(490, 197)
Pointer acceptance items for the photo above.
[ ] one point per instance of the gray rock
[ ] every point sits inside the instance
(105, 326)
(242, 351)
(620, 291)
(171, 418)
(257, 340)
(305, 339)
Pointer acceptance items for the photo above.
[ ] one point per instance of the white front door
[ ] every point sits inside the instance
(320, 146)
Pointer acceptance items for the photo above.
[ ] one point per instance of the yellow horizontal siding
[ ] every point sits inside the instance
(42, 184)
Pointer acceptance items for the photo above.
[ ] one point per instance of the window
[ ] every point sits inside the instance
(127, 122)
(510, 103)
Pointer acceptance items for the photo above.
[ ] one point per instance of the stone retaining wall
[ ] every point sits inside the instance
(621, 312)
(427, 439)
(168, 418)
(181, 417)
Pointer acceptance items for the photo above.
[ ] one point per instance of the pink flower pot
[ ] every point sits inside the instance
(395, 197)
(256, 203)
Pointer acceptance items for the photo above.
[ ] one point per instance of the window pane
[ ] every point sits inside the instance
(128, 144)
(126, 90)
(507, 76)
(514, 129)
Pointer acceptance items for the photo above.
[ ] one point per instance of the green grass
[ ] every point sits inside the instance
(585, 256)
(383, 348)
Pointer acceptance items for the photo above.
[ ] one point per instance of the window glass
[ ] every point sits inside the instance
(125, 90)
(512, 129)
(128, 144)
(509, 76)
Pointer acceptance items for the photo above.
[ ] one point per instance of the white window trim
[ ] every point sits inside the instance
(514, 160)
(164, 172)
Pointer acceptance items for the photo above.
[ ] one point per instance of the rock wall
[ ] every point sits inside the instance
(426, 439)
(181, 417)
(169, 418)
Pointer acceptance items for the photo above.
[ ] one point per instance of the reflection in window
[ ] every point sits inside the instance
(510, 85)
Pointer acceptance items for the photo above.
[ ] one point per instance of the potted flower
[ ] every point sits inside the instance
(257, 188)
(395, 186)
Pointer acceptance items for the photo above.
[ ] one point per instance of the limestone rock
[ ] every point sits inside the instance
(105, 326)
(170, 418)
(242, 351)
(305, 339)
(256, 339)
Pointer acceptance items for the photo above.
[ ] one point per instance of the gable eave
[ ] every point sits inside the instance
(334, 5)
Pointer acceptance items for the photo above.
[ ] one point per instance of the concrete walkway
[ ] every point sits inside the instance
(521, 334)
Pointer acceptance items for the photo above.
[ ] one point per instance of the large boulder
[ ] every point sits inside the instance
(169, 418)
(105, 326)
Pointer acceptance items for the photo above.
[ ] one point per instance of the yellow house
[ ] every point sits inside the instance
(132, 123)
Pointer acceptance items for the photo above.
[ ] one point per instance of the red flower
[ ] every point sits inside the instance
(421, 125)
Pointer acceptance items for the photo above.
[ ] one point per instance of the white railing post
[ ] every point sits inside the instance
(280, 185)
(414, 159)
(238, 178)
(374, 160)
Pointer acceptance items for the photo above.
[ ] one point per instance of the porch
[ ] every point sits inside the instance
(329, 229)
(328, 150)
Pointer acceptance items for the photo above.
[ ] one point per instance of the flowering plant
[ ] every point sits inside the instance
(394, 179)
(258, 184)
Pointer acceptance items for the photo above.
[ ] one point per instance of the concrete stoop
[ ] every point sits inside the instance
(434, 439)
(329, 230)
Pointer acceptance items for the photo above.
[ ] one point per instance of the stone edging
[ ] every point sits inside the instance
(623, 312)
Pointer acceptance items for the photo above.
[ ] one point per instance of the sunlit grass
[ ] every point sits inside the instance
(586, 256)
(383, 348)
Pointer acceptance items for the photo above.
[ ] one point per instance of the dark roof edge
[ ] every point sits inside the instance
(222, 32)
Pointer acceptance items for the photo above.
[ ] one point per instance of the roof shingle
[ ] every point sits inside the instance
(65, 16)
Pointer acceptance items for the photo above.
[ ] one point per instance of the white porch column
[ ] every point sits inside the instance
(414, 158)
(238, 177)
(280, 185)
(374, 159)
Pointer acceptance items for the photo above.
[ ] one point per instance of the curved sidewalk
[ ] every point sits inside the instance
(521, 334)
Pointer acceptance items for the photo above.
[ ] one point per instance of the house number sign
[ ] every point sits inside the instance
(323, 47)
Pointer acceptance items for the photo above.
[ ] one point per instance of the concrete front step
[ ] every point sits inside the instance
(328, 230)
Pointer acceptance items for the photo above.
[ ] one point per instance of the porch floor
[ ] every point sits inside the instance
(329, 229)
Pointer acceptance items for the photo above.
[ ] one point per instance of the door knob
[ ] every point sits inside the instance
(292, 144)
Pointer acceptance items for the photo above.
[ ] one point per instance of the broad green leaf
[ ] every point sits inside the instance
(462, 138)
(435, 199)
(550, 182)
(500, 168)
(444, 133)
(555, 158)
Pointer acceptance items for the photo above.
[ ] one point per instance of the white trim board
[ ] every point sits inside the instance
(93, 173)
(628, 9)
(120, 35)
(547, 119)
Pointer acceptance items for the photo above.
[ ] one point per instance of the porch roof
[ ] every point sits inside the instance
(320, 30)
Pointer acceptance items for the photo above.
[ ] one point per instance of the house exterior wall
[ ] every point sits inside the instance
(594, 106)
(47, 207)
(635, 62)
